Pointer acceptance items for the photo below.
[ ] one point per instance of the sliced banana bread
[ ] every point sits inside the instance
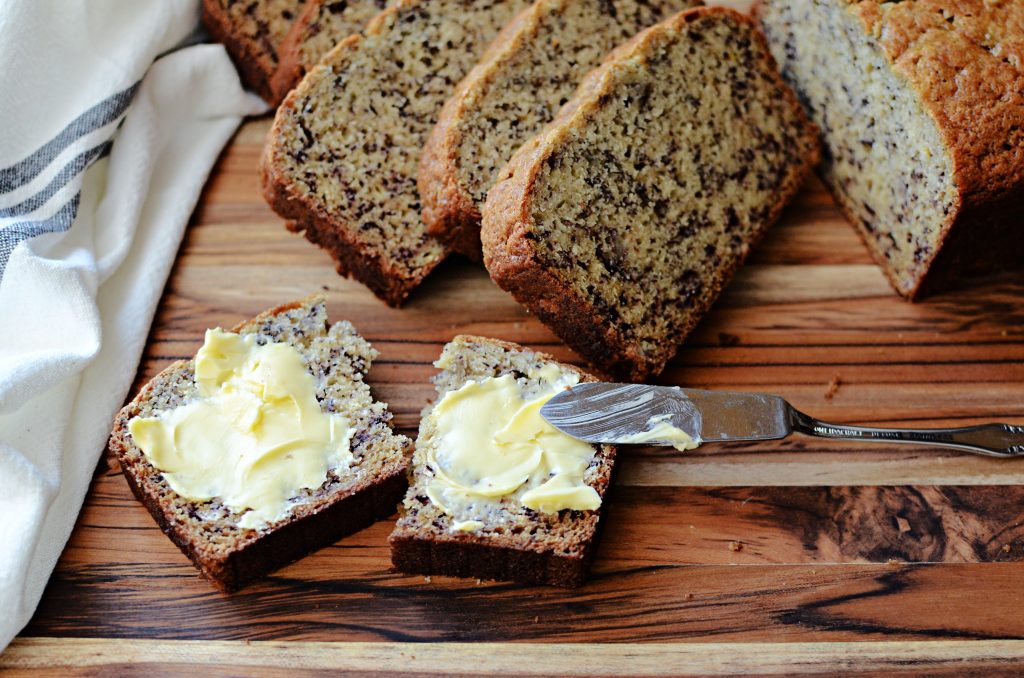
(342, 155)
(921, 109)
(620, 224)
(321, 26)
(528, 73)
(252, 31)
(221, 541)
(444, 530)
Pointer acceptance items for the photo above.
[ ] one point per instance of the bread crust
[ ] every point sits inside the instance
(500, 557)
(313, 526)
(256, 71)
(511, 256)
(290, 69)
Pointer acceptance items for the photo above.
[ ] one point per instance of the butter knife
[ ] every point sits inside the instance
(599, 412)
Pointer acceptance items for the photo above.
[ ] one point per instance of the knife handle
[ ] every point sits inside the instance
(994, 440)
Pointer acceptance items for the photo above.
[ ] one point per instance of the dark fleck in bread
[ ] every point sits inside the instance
(517, 544)
(921, 109)
(342, 155)
(527, 74)
(252, 32)
(620, 224)
(321, 26)
(208, 532)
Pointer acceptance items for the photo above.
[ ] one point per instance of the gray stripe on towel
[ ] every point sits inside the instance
(103, 113)
(70, 171)
(12, 235)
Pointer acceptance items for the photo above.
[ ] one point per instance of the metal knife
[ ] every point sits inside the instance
(599, 412)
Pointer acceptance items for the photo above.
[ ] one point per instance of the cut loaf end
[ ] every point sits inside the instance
(921, 110)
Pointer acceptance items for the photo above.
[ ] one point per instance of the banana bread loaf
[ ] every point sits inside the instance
(252, 31)
(528, 73)
(342, 155)
(921, 109)
(521, 531)
(620, 223)
(227, 546)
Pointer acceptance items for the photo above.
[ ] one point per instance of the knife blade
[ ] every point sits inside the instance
(601, 412)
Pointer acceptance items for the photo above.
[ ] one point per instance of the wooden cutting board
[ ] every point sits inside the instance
(788, 556)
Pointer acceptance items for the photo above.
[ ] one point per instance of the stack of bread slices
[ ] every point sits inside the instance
(611, 161)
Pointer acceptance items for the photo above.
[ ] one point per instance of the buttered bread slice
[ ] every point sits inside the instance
(321, 26)
(495, 491)
(266, 446)
(621, 223)
(342, 155)
(528, 73)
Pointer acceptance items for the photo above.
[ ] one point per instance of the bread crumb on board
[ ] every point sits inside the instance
(833, 387)
(735, 546)
(725, 339)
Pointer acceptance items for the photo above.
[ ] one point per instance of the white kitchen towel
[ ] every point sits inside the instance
(109, 126)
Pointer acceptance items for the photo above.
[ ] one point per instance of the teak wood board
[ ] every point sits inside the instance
(793, 556)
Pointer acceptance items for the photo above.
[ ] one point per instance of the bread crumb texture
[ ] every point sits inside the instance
(526, 76)
(345, 146)
(252, 31)
(620, 224)
(321, 26)
(325, 23)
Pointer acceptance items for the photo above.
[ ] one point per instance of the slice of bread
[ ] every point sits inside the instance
(528, 73)
(621, 223)
(252, 31)
(342, 155)
(321, 26)
(349, 500)
(921, 107)
(515, 543)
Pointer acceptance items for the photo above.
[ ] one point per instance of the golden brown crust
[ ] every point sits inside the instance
(510, 254)
(963, 59)
(503, 557)
(307, 27)
(312, 528)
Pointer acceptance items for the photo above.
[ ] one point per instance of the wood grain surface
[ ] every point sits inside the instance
(800, 556)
